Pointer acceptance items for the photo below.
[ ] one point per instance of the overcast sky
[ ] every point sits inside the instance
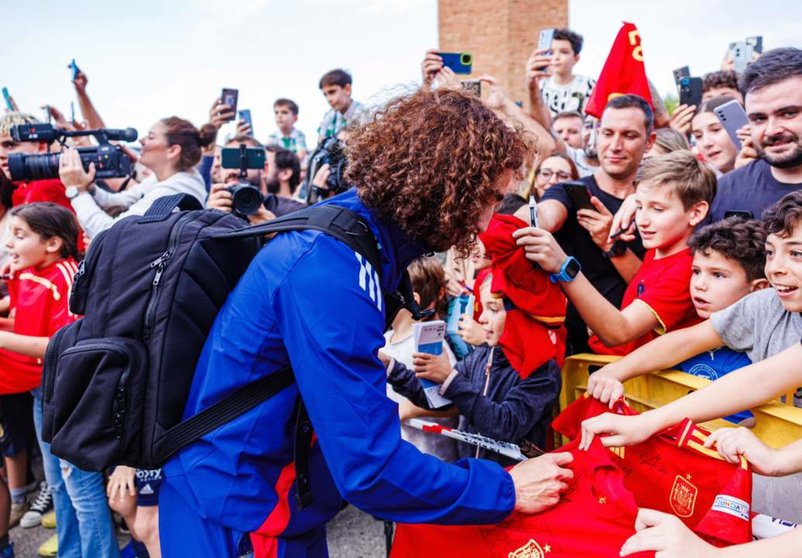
(148, 59)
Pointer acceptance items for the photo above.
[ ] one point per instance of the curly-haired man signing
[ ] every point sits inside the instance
(427, 172)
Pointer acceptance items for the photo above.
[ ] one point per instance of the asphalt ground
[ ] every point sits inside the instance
(352, 534)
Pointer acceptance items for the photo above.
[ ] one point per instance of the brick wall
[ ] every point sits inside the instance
(499, 33)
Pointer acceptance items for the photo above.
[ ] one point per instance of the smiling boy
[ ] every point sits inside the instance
(728, 264)
(673, 195)
(563, 91)
(761, 324)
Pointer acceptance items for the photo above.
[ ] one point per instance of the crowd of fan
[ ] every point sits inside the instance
(667, 243)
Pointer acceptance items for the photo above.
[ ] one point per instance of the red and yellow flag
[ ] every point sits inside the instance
(623, 72)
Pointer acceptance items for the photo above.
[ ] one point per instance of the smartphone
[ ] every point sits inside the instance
(545, 39)
(690, 91)
(459, 62)
(7, 97)
(680, 73)
(74, 67)
(473, 86)
(229, 97)
(756, 43)
(245, 115)
(229, 158)
(733, 117)
(741, 56)
(739, 213)
(579, 194)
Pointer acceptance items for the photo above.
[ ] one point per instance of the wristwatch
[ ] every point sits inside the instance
(618, 248)
(568, 271)
(71, 192)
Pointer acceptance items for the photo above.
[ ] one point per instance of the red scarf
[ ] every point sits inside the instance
(533, 330)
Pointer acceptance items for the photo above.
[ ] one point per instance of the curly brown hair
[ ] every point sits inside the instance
(737, 239)
(430, 163)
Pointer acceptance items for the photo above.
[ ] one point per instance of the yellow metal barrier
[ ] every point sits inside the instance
(776, 423)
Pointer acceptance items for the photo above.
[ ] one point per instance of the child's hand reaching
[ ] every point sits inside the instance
(605, 386)
(121, 481)
(431, 367)
(732, 443)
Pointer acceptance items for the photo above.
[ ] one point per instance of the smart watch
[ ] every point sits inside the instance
(71, 192)
(568, 271)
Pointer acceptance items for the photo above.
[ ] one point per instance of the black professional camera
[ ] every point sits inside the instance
(246, 198)
(110, 160)
(331, 151)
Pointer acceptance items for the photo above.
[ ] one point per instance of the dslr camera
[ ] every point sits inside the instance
(110, 160)
(331, 151)
(245, 197)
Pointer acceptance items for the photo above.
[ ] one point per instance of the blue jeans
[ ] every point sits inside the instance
(83, 520)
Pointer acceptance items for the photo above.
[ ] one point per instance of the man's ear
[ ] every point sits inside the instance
(576, 58)
(758, 284)
(284, 175)
(347, 89)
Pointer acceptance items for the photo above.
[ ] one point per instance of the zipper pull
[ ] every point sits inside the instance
(160, 260)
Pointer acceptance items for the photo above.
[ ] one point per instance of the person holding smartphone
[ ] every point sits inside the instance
(581, 219)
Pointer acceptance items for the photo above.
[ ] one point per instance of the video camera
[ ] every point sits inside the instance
(331, 151)
(245, 197)
(110, 160)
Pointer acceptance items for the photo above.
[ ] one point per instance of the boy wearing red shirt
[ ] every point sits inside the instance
(673, 195)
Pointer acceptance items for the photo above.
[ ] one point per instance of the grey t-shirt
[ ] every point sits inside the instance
(758, 325)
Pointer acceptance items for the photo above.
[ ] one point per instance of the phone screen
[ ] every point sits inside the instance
(579, 194)
(7, 97)
(229, 97)
(545, 39)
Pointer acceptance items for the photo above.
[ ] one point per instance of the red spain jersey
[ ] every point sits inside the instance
(594, 518)
(39, 298)
(663, 286)
(671, 472)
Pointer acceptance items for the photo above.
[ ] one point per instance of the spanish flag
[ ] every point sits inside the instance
(623, 73)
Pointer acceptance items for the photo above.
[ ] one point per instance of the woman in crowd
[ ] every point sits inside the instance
(171, 150)
(712, 141)
(553, 169)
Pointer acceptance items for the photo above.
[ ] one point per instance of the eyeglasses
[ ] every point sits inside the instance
(548, 173)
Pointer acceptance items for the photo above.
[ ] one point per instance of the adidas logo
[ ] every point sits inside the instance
(146, 490)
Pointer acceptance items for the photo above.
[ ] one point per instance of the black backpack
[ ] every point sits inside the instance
(116, 381)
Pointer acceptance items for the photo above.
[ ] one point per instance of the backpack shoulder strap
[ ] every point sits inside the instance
(339, 222)
(344, 225)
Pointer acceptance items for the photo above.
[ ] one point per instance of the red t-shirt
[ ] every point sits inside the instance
(671, 472)
(664, 286)
(40, 299)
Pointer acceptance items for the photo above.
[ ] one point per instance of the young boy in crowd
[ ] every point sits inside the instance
(728, 264)
(287, 135)
(506, 388)
(563, 91)
(673, 195)
(336, 87)
(429, 289)
(760, 324)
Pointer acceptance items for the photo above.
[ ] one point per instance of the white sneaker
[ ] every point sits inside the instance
(39, 506)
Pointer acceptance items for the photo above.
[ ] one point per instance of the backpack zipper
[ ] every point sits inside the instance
(159, 264)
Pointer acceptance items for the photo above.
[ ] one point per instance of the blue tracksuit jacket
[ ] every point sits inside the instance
(308, 300)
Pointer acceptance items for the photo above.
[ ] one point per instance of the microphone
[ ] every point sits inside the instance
(129, 134)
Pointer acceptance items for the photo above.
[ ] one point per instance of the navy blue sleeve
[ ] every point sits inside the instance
(332, 336)
(205, 170)
(404, 382)
(512, 418)
(558, 193)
